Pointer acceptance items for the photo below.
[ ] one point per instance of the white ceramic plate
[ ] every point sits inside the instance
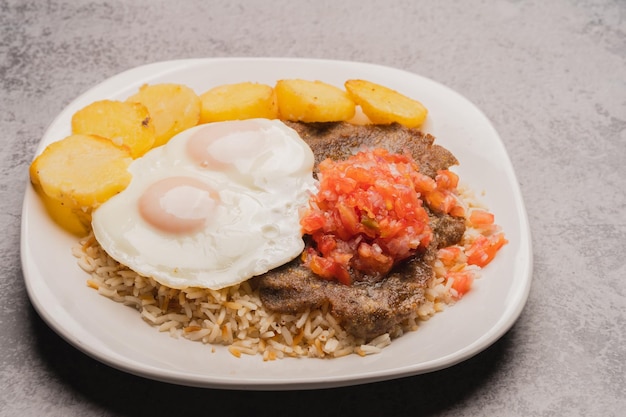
(117, 336)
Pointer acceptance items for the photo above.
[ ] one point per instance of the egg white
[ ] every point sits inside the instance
(261, 172)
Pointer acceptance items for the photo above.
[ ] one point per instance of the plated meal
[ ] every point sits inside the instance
(279, 216)
(269, 218)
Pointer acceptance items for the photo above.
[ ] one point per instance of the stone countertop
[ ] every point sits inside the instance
(551, 76)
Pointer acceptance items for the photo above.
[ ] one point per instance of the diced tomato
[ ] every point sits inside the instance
(440, 201)
(446, 179)
(321, 266)
(325, 164)
(313, 221)
(327, 268)
(360, 175)
(484, 249)
(457, 211)
(449, 255)
(463, 281)
(325, 243)
(350, 222)
(481, 218)
(424, 183)
(372, 260)
(442, 198)
(344, 185)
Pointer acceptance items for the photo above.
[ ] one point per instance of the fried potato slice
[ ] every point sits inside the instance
(172, 108)
(124, 123)
(74, 221)
(81, 171)
(312, 101)
(383, 105)
(246, 100)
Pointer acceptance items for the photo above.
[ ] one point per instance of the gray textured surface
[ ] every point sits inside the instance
(550, 75)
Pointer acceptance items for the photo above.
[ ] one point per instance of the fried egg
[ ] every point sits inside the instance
(215, 206)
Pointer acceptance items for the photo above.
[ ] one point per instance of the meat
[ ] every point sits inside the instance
(448, 230)
(340, 140)
(365, 309)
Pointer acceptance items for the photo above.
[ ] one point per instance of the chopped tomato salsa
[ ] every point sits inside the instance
(368, 214)
(449, 255)
(442, 199)
(481, 218)
(462, 281)
(484, 249)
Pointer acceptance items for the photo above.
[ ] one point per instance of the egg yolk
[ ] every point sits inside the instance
(178, 204)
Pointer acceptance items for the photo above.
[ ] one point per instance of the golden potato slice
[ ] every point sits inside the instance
(172, 108)
(312, 101)
(246, 100)
(123, 123)
(81, 171)
(74, 221)
(383, 105)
